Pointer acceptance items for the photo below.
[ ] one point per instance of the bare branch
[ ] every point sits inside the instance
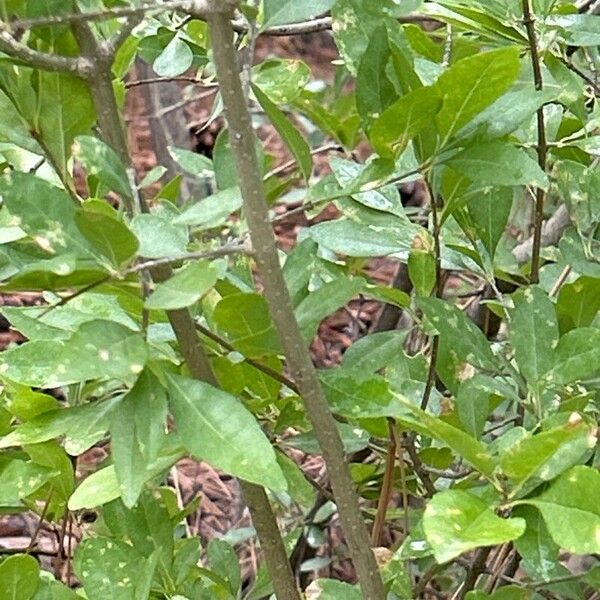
(183, 78)
(169, 260)
(552, 231)
(38, 60)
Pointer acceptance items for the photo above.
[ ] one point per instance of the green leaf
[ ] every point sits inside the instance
(50, 589)
(324, 301)
(351, 238)
(158, 237)
(146, 526)
(175, 59)
(109, 237)
(19, 479)
(97, 489)
(191, 162)
(533, 333)
(209, 421)
(473, 403)
(113, 569)
(184, 288)
(57, 107)
(421, 264)
(84, 425)
(246, 320)
(137, 435)
(374, 89)
(354, 25)
(576, 30)
(280, 12)
(52, 456)
(403, 120)
(489, 211)
(19, 577)
(578, 303)
(102, 486)
(299, 487)
(331, 589)
(498, 164)
(97, 350)
(507, 113)
(538, 551)
(509, 592)
(355, 395)
(211, 211)
(373, 352)
(468, 342)
(101, 161)
(223, 561)
(472, 84)
(576, 357)
(281, 81)
(570, 509)
(37, 323)
(46, 213)
(455, 522)
(544, 456)
(462, 444)
(354, 176)
(289, 134)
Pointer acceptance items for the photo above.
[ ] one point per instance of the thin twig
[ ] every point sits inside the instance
(593, 84)
(183, 78)
(272, 373)
(292, 162)
(201, 255)
(39, 524)
(560, 281)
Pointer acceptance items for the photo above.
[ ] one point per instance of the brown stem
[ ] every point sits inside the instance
(386, 489)
(100, 82)
(280, 305)
(542, 144)
(477, 568)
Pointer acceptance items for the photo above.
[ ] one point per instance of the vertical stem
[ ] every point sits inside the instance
(280, 305)
(387, 486)
(100, 82)
(542, 145)
(439, 291)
